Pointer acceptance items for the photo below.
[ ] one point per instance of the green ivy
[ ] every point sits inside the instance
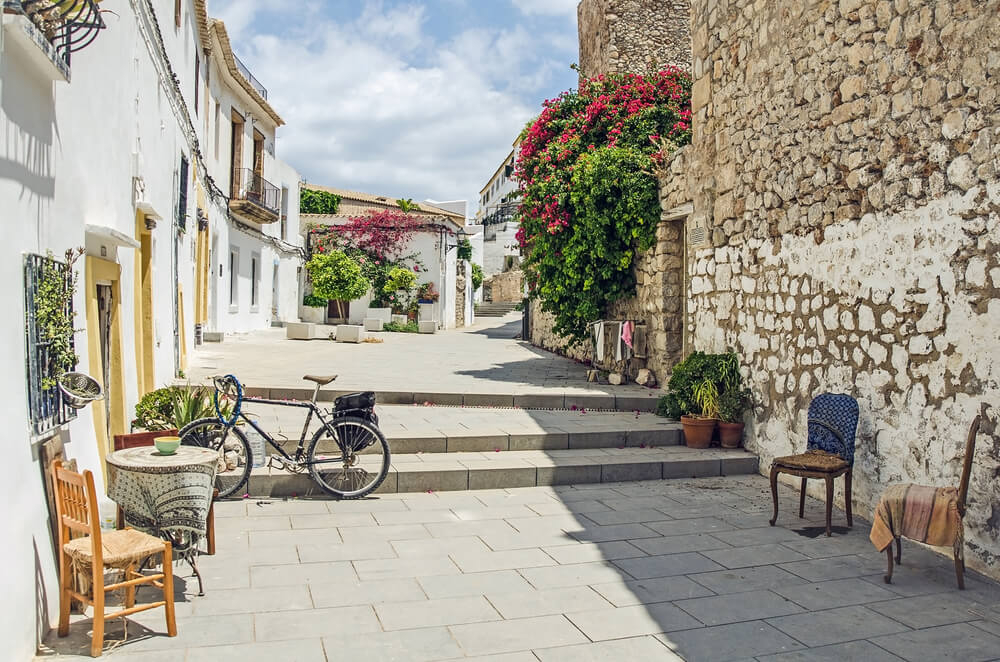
(312, 201)
(53, 303)
(464, 250)
(477, 277)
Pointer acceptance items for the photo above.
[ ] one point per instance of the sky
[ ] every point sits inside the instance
(408, 99)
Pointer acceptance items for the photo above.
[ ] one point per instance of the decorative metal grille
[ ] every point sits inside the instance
(45, 405)
(69, 25)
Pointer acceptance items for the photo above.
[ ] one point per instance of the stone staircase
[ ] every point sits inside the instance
(497, 309)
(466, 448)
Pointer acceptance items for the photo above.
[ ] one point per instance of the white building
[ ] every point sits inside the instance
(498, 203)
(435, 246)
(113, 150)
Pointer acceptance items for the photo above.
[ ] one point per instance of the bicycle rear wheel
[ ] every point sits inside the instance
(235, 459)
(349, 458)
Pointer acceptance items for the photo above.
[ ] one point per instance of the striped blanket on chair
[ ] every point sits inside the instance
(924, 514)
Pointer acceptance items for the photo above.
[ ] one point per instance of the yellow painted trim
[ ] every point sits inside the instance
(201, 278)
(182, 327)
(113, 406)
(142, 294)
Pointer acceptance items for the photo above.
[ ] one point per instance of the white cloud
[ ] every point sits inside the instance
(547, 7)
(379, 105)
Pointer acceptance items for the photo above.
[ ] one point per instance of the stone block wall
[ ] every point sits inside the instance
(845, 159)
(506, 287)
(633, 36)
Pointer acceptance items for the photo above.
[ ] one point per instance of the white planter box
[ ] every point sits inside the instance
(384, 314)
(300, 331)
(350, 333)
(426, 311)
(428, 326)
(399, 319)
(314, 315)
(373, 324)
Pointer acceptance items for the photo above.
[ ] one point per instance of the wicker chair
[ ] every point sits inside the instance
(895, 500)
(833, 424)
(82, 559)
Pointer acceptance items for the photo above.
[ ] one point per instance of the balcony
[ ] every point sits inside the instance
(52, 31)
(254, 198)
(245, 72)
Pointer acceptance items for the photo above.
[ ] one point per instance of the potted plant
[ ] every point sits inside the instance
(693, 394)
(732, 405)
(314, 309)
(335, 276)
(699, 428)
(427, 294)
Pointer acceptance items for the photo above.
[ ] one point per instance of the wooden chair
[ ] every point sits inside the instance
(123, 441)
(76, 512)
(943, 524)
(833, 424)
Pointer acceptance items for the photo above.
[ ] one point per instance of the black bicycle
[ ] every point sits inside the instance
(348, 456)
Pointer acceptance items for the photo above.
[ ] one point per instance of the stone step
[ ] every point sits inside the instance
(450, 439)
(625, 398)
(413, 472)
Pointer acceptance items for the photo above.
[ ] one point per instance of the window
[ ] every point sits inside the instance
(254, 280)
(234, 266)
(197, 82)
(182, 195)
(177, 13)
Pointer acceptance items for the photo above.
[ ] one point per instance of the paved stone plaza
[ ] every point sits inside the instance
(659, 570)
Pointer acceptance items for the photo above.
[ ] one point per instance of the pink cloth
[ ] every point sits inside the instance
(627, 333)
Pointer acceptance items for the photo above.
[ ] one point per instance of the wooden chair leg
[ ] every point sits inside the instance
(774, 493)
(899, 551)
(802, 498)
(888, 556)
(65, 600)
(168, 589)
(848, 479)
(129, 590)
(829, 504)
(97, 637)
(960, 569)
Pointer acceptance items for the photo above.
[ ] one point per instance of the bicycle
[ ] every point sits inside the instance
(348, 456)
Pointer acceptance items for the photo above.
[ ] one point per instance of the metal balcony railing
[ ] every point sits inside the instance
(256, 189)
(256, 84)
(69, 25)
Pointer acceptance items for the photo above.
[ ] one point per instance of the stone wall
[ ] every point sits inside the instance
(845, 160)
(633, 36)
(460, 287)
(506, 287)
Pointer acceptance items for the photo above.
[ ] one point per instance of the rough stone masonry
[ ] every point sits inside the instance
(845, 177)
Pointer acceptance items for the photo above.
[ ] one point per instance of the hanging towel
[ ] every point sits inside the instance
(627, 333)
(599, 341)
(618, 342)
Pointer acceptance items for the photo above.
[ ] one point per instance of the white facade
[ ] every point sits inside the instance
(94, 159)
(496, 203)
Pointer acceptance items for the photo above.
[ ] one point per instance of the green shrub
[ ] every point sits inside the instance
(336, 276)
(318, 202)
(464, 250)
(174, 407)
(395, 327)
(399, 278)
(477, 277)
(313, 301)
(155, 410)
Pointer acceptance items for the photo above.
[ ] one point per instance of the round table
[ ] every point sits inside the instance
(165, 495)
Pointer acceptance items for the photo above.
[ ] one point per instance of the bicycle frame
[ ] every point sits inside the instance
(313, 409)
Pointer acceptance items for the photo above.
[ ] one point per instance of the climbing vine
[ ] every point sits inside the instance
(53, 303)
(312, 201)
(589, 192)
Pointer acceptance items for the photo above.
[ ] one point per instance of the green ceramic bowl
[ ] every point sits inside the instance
(167, 445)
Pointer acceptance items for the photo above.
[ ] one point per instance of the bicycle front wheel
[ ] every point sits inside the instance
(349, 458)
(235, 459)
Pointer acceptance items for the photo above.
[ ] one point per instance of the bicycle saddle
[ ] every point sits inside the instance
(321, 380)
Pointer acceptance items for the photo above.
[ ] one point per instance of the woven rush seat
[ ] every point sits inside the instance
(119, 548)
(813, 460)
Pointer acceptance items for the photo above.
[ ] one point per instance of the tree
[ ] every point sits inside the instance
(336, 276)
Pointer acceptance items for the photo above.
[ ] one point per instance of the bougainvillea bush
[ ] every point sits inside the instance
(589, 195)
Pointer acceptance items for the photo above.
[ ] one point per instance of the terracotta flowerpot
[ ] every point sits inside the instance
(698, 431)
(730, 434)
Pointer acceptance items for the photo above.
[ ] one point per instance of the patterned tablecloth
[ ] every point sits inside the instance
(165, 495)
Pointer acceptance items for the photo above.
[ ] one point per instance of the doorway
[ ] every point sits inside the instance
(235, 155)
(274, 295)
(105, 302)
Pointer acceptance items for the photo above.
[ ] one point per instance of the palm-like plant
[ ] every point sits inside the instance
(706, 395)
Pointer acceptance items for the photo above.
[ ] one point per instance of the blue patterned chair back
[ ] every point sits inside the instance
(833, 424)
